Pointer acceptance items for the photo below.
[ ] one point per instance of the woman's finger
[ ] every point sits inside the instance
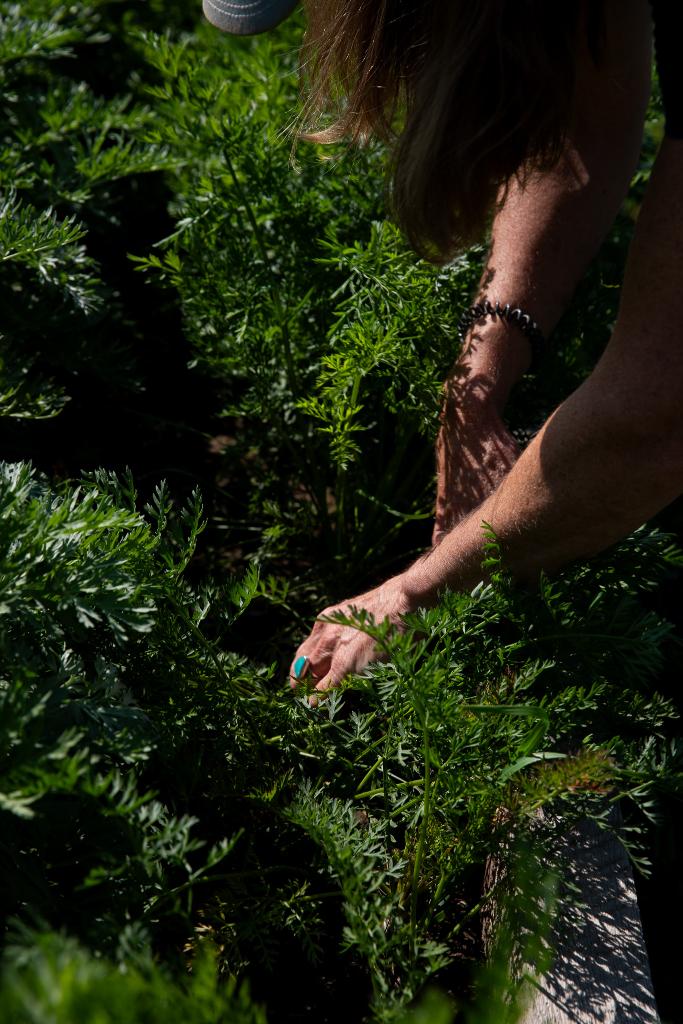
(329, 682)
(310, 663)
(299, 669)
(352, 659)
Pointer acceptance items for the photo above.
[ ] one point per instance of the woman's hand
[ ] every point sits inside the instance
(474, 450)
(332, 651)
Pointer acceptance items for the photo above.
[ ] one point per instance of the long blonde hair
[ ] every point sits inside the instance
(468, 94)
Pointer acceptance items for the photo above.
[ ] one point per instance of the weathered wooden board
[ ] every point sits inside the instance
(601, 973)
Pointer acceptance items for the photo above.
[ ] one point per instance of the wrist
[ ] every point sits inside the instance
(494, 357)
(509, 314)
(455, 563)
(420, 588)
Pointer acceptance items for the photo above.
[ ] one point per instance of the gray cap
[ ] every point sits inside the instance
(247, 17)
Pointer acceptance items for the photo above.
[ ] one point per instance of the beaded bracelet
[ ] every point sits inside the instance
(513, 315)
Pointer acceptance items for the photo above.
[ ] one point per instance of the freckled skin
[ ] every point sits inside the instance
(543, 238)
(611, 455)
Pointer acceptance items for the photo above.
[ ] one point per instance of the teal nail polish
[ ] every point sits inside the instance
(299, 665)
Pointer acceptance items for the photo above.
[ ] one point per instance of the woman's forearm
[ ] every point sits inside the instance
(589, 478)
(612, 454)
(549, 228)
(544, 234)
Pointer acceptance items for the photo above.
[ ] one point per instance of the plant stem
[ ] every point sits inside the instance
(342, 475)
(283, 323)
(243, 691)
(275, 292)
(419, 852)
(379, 791)
(368, 775)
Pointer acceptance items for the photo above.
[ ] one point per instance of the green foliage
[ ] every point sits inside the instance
(79, 590)
(352, 832)
(57, 982)
(322, 343)
(64, 149)
(173, 821)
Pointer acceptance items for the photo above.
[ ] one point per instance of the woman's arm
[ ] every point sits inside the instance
(612, 454)
(543, 237)
(609, 457)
